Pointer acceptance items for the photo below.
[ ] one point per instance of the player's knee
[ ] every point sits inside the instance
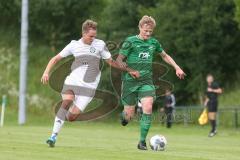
(72, 117)
(147, 109)
(147, 105)
(66, 104)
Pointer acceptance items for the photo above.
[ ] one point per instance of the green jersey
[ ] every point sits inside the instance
(139, 54)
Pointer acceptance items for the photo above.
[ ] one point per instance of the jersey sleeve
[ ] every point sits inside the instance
(125, 48)
(105, 54)
(158, 46)
(66, 50)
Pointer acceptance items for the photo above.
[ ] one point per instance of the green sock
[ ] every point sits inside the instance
(145, 124)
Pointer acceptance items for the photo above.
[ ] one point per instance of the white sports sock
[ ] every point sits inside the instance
(58, 123)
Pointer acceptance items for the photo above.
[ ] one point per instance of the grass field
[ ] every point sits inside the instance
(110, 141)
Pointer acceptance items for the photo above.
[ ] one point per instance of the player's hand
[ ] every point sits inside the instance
(45, 78)
(134, 74)
(180, 74)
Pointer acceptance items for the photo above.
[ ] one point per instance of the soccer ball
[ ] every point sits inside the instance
(158, 143)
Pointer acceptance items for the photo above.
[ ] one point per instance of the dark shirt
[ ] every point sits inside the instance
(212, 95)
(169, 101)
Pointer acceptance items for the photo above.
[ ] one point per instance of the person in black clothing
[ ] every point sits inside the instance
(211, 101)
(169, 104)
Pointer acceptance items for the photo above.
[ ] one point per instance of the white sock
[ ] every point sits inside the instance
(58, 123)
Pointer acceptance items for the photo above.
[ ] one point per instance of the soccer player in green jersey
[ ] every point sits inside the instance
(137, 52)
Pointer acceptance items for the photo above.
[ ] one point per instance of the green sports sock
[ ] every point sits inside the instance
(145, 124)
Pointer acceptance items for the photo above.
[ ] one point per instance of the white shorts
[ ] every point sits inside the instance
(84, 92)
(81, 102)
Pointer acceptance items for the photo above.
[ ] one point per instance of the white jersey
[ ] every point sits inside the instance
(85, 68)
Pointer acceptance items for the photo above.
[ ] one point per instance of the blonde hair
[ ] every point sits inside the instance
(210, 75)
(88, 24)
(148, 20)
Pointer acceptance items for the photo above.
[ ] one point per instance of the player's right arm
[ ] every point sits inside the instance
(106, 55)
(120, 60)
(64, 53)
(124, 51)
(51, 63)
(206, 99)
(115, 64)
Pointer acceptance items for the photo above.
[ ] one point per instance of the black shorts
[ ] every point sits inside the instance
(212, 106)
(168, 110)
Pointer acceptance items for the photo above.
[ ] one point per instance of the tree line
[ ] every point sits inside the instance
(203, 36)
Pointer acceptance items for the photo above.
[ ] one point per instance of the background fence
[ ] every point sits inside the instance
(228, 116)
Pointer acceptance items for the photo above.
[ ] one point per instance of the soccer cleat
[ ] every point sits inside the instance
(211, 134)
(142, 145)
(124, 122)
(51, 141)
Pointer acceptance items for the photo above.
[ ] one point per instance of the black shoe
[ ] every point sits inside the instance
(124, 122)
(142, 145)
(169, 125)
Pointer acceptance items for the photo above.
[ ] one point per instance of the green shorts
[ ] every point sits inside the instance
(132, 91)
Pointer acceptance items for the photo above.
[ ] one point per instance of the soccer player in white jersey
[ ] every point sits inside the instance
(80, 85)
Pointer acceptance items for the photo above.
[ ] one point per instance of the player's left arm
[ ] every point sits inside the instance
(115, 64)
(168, 59)
(217, 90)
